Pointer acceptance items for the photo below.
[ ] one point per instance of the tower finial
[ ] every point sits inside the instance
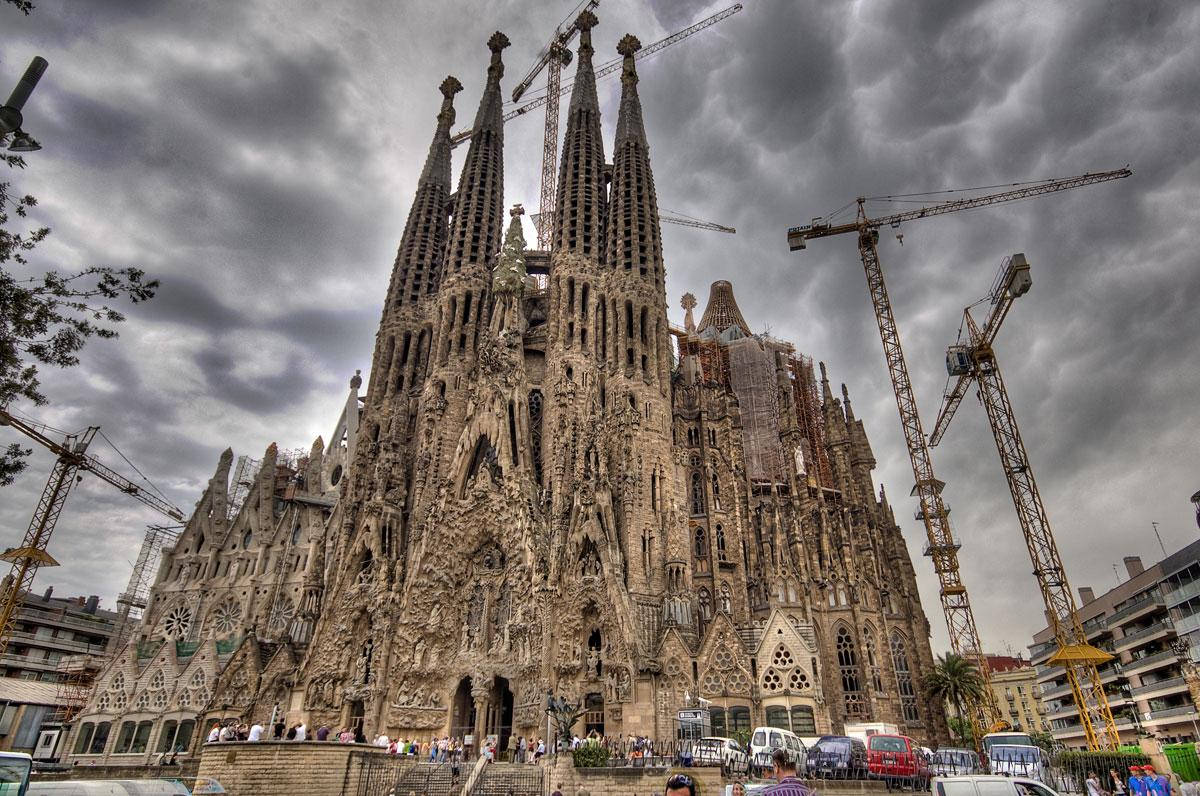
(497, 43)
(628, 45)
(585, 22)
(846, 403)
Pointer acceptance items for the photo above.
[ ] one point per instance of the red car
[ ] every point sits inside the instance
(897, 759)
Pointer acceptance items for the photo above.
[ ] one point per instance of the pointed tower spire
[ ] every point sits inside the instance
(479, 204)
(418, 260)
(508, 277)
(722, 311)
(634, 236)
(580, 204)
(846, 404)
(826, 393)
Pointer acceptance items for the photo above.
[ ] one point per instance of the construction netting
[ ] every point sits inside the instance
(752, 377)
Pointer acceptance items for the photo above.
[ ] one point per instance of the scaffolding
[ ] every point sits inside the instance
(811, 420)
(239, 487)
(753, 380)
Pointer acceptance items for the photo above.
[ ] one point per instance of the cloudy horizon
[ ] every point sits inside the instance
(259, 160)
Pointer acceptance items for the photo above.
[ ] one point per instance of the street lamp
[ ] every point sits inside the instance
(10, 112)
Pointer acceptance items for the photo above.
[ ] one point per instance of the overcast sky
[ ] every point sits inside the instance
(259, 159)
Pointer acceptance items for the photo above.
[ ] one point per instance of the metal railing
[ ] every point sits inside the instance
(1181, 595)
(1159, 685)
(1165, 625)
(1153, 597)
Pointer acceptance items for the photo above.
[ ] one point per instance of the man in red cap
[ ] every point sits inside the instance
(1137, 785)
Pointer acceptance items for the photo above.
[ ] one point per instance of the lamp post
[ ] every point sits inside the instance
(1196, 503)
(10, 112)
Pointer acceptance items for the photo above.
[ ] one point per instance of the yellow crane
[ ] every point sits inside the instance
(974, 359)
(942, 545)
(31, 555)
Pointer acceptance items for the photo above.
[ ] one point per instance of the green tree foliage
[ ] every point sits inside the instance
(961, 730)
(955, 680)
(45, 319)
(22, 5)
(590, 755)
(1042, 739)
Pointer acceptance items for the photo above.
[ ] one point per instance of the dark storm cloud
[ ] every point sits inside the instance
(259, 160)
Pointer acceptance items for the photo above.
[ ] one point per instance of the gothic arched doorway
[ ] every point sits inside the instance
(500, 718)
(462, 716)
(593, 718)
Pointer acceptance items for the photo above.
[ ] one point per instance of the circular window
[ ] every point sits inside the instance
(335, 476)
(177, 623)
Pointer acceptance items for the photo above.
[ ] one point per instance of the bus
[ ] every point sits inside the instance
(14, 773)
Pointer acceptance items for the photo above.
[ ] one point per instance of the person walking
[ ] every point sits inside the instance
(1093, 785)
(786, 781)
(1157, 783)
(1137, 785)
(1118, 785)
(443, 748)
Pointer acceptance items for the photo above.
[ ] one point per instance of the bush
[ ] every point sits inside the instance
(590, 755)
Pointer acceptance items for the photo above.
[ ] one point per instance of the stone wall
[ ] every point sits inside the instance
(185, 770)
(285, 768)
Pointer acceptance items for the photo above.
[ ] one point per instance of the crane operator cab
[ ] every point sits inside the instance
(958, 360)
(1017, 280)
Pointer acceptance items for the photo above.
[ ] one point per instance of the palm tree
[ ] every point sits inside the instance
(956, 680)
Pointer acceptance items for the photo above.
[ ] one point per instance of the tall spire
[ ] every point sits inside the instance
(479, 207)
(418, 260)
(580, 204)
(634, 237)
(722, 311)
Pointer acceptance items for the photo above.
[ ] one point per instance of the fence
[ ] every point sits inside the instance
(391, 775)
(1182, 757)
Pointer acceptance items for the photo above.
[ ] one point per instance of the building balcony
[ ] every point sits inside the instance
(1161, 688)
(30, 664)
(1153, 600)
(1187, 624)
(1167, 714)
(1149, 662)
(100, 627)
(1039, 653)
(1155, 631)
(59, 644)
(1182, 594)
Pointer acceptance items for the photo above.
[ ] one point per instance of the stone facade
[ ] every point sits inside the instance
(549, 489)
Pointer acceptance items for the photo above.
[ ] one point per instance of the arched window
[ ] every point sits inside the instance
(841, 595)
(100, 739)
(872, 659)
(904, 683)
(803, 720)
(84, 739)
(166, 736)
(716, 493)
(706, 606)
(721, 555)
(739, 719)
(717, 716)
(848, 668)
(777, 716)
(697, 494)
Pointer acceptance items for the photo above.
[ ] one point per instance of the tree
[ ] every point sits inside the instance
(47, 319)
(956, 680)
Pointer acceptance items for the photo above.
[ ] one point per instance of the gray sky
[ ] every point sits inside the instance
(259, 159)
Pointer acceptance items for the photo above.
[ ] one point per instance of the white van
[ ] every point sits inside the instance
(766, 740)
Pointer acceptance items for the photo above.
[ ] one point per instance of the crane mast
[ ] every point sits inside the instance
(942, 546)
(72, 457)
(977, 360)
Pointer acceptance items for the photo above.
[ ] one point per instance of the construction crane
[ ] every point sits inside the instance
(666, 217)
(72, 457)
(552, 58)
(975, 359)
(942, 546)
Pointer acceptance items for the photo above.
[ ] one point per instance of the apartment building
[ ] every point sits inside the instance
(1015, 685)
(49, 629)
(1150, 623)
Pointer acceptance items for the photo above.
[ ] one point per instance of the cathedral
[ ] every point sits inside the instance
(546, 488)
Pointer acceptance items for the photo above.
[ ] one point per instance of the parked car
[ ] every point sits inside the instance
(766, 740)
(1019, 761)
(897, 758)
(838, 756)
(951, 761)
(715, 751)
(989, 785)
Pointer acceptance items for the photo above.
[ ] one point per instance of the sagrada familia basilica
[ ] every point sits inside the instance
(545, 488)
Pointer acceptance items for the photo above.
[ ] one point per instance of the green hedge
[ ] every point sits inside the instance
(590, 755)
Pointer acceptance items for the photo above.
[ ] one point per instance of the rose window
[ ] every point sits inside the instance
(227, 618)
(282, 614)
(739, 682)
(178, 623)
(771, 681)
(723, 658)
(798, 681)
(783, 658)
(198, 679)
(712, 684)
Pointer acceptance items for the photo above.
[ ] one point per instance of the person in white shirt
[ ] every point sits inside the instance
(383, 741)
(256, 732)
(228, 733)
(214, 734)
(301, 732)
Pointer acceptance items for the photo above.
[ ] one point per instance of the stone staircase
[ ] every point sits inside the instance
(508, 779)
(433, 779)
